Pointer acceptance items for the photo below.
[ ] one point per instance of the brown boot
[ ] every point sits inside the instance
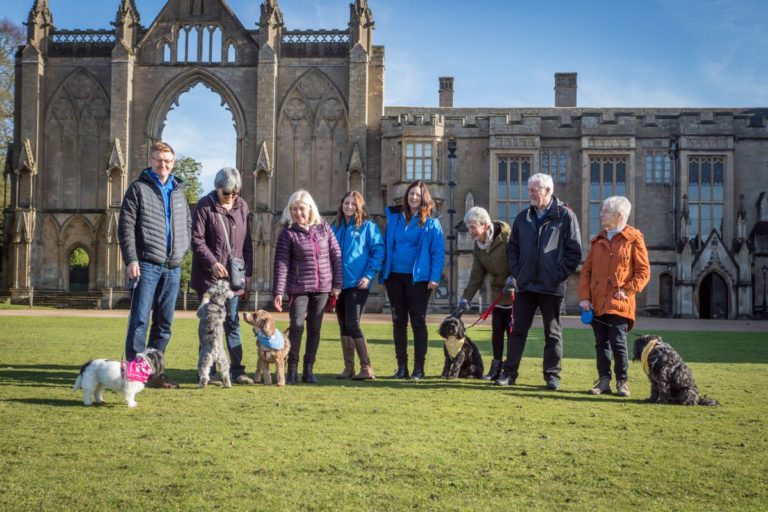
(348, 351)
(366, 370)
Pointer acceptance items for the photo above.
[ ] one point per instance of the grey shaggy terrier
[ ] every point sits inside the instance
(212, 313)
(671, 379)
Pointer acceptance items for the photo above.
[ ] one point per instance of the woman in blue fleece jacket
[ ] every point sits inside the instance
(412, 269)
(362, 255)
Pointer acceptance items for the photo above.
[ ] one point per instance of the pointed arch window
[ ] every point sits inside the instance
(199, 44)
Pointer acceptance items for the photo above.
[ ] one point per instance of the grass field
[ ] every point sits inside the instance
(381, 445)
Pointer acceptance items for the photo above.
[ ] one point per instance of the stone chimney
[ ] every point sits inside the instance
(565, 89)
(446, 91)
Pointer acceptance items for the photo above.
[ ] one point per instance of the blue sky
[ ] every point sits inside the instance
(504, 53)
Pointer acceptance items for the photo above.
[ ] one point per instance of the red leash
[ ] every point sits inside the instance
(487, 312)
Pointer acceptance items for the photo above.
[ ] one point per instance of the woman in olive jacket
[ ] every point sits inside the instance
(489, 258)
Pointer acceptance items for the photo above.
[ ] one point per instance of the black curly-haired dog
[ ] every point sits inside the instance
(462, 357)
(671, 379)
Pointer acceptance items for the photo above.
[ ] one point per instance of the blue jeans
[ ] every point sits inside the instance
(156, 292)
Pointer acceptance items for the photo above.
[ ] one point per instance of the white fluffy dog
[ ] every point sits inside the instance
(212, 313)
(126, 378)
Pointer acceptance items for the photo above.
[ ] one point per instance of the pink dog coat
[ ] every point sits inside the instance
(138, 370)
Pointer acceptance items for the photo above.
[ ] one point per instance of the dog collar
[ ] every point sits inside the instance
(138, 370)
(453, 345)
(646, 352)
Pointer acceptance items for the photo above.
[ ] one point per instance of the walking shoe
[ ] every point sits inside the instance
(418, 373)
(622, 388)
(553, 382)
(505, 379)
(244, 379)
(161, 382)
(401, 373)
(603, 386)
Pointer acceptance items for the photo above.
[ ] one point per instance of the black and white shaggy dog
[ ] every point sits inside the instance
(671, 379)
(127, 378)
(462, 357)
(212, 313)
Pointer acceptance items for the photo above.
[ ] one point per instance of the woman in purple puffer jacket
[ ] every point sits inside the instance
(307, 269)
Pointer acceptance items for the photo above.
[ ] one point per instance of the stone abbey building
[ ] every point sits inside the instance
(309, 113)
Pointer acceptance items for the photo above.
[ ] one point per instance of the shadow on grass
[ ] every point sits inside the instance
(53, 402)
(38, 374)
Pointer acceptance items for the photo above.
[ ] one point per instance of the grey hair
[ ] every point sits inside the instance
(543, 180)
(619, 205)
(228, 180)
(479, 215)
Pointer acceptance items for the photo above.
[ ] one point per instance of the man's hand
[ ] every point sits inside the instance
(133, 271)
(433, 285)
(363, 283)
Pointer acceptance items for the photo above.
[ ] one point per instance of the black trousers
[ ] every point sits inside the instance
(611, 338)
(349, 309)
(524, 311)
(500, 318)
(309, 307)
(408, 300)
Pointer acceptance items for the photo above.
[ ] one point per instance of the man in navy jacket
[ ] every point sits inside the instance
(544, 249)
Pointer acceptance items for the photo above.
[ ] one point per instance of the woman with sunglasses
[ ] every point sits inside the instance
(220, 231)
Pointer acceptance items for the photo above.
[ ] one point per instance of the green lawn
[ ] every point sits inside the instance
(381, 445)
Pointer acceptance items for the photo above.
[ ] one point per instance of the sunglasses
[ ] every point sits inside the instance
(233, 193)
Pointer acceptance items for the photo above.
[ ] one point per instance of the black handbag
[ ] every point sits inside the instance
(235, 266)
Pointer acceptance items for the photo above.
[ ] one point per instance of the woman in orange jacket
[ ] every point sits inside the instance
(616, 269)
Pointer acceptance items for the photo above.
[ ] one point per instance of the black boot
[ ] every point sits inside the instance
(291, 377)
(402, 372)
(307, 376)
(495, 370)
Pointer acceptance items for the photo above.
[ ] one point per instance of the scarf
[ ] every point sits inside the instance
(646, 352)
(138, 370)
(274, 342)
(453, 345)
(486, 245)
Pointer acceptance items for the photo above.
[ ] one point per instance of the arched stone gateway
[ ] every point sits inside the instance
(308, 111)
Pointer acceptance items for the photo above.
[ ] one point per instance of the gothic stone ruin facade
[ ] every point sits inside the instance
(308, 111)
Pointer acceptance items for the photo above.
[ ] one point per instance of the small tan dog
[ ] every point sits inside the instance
(272, 345)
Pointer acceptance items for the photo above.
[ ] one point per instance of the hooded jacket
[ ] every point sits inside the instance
(621, 263)
(307, 260)
(141, 228)
(431, 251)
(492, 262)
(542, 259)
(362, 251)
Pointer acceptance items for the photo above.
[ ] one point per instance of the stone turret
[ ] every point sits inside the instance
(360, 25)
(127, 22)
(39, 24)
(271, 25)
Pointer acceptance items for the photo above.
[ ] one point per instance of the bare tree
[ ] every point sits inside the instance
(11, 36)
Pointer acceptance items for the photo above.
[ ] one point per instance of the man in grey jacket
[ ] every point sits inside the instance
(154, 232)
(544, 249)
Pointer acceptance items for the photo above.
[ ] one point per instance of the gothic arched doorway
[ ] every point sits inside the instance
(79, 266)
(713, 297)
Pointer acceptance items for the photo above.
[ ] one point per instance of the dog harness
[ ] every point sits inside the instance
(138, 370)
(646, 352)
(274, 342)
(453, 345)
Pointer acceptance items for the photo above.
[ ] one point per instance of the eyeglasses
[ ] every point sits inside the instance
(163, 161)
(232, 193)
